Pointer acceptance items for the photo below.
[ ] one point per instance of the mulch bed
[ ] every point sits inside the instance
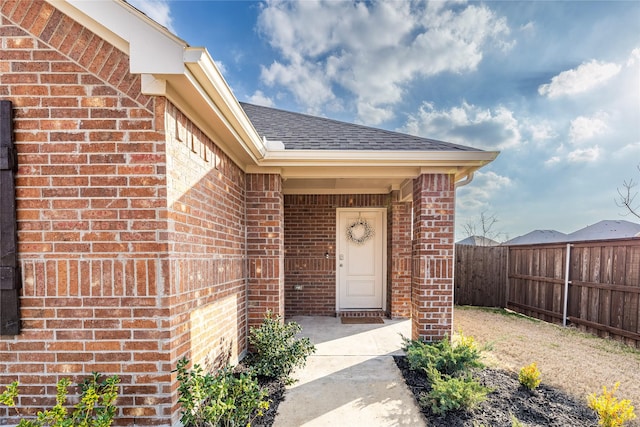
(276, 390)
(544, 407)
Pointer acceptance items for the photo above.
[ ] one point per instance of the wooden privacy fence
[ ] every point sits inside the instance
(480, 276)
(594, 285)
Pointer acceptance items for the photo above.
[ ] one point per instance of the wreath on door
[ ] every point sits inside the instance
(359, 231)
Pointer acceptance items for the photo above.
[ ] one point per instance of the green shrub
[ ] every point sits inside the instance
(443, 356)
(529, 376)
(452, 393)
(224, 399)
(611, 411)
(277, 351)
(96, 407)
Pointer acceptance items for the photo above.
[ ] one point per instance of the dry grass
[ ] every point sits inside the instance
(571, 360)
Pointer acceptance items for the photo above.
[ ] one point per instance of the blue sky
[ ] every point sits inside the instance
(554, 86)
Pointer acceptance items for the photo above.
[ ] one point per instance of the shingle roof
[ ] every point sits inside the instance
(304, 132)
(607, 229)
(538, 236)
(478, 241)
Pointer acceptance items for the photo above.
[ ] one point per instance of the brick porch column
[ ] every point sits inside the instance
(399, 267)
(433, 258)
(265, 245)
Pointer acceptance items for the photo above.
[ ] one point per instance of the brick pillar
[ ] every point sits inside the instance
(399, 267)
(433, 258)
(265, 245)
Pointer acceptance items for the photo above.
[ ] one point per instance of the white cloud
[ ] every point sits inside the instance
(374, 50)
(529, 27)
(540, 131)
(158, 10)
(585, 128)
(468, 125)
(634, 58)
(584, 155)
(305, 80)
(259, 98)
(629, 151)
(552, 161)
(476, 195)
(581, 79)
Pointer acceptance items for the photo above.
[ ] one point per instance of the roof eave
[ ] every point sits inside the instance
(378, 157)
(393, 165)
(187, 76)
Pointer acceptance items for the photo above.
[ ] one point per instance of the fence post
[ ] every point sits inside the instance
(566, 285)
(506, 293)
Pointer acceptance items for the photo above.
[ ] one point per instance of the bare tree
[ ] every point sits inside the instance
(484, 227)
(627, 195)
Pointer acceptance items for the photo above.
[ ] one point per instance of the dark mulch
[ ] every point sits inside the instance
(275, 389)
(542, 408)
(276, 395)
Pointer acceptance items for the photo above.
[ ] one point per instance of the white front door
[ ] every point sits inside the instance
(360, 258)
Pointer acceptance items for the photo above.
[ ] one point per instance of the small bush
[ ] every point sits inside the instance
(95, 409)
(443, 356)
(452, 393)
(277, 351)
(223, 399)
(529, 376)
(611, 411)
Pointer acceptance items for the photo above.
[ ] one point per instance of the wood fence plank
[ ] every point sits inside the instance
(604, 290)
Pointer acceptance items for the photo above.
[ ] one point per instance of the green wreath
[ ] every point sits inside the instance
(359, 231)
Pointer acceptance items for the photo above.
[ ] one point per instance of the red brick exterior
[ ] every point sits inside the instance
(206, 278)
(399, 259)
(310, 234)
(433, 246)
(141, 242)
(265, 245)
(131, 224)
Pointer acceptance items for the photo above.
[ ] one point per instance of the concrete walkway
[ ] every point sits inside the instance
(352, 379)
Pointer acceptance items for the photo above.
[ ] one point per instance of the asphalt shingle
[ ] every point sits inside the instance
(304, 132)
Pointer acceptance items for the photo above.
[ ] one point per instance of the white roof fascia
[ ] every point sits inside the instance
(152, 48)
(377, 158)
(202, 66)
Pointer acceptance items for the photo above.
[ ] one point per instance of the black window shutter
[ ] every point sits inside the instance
(9, 272)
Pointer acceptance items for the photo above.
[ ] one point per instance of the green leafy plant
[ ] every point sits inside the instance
(515, 422)
(96, 407)
(529, 376)
(445, 357)
(224, 399)
(449, 394)
(611, 411)
(277, 351)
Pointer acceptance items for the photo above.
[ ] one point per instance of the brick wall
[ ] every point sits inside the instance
(131, 238)
(399, 261)
(206, 248)
(433, 246)
(310, 233)
(265, 246)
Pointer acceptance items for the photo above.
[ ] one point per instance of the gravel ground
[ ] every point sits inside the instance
(572, 361)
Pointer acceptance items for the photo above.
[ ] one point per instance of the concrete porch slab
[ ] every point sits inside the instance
(352, 379)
